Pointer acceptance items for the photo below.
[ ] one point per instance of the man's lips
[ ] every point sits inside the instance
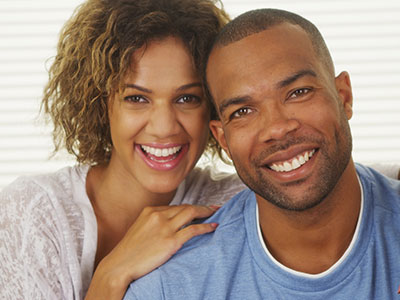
(288, 160)
(292, 163)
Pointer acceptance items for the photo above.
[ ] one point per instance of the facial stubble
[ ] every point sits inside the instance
(330, 169)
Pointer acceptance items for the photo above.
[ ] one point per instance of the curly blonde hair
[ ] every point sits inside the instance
(93, 56)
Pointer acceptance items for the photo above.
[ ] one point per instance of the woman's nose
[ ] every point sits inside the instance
(163, 121)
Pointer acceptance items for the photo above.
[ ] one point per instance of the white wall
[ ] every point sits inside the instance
(363, 36)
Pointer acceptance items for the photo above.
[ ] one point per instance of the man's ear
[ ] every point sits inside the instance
(343, 87)
(218, 133)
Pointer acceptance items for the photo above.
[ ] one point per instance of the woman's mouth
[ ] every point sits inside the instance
(161, 154)
(163, 157)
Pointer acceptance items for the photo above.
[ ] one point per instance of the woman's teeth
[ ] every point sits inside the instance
(293, 164)
(161, 152)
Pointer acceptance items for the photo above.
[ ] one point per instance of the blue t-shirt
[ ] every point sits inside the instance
(231, 263)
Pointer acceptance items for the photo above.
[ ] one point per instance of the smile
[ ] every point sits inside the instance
(161, 154)
(162, 157)
(293, 163)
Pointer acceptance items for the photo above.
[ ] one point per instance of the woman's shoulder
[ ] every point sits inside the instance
(46, 200)
(54, 187)
(206, 186)
(45, 225)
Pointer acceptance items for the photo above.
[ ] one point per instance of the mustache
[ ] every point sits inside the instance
(286, 144)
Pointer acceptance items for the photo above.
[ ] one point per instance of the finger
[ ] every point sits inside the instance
(167, 211)
(191, 231)
(215, 207)
(189, 213)
(199, 211)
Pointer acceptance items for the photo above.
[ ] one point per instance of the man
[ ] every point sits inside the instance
(316, 226)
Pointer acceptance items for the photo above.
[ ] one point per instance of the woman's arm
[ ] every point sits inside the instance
(34, 260)
(155, 236)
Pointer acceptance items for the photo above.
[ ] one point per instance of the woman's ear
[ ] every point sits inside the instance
(343, 88)
(218, 133)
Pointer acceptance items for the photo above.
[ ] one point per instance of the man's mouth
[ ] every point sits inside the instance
(161, 154)
(293, 163)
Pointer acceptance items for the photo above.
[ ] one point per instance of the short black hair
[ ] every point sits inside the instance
(258, 20)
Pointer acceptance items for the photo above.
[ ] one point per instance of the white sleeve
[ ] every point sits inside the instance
(32, 251)
(390, 170)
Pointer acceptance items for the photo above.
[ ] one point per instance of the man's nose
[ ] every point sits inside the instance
(276, 123)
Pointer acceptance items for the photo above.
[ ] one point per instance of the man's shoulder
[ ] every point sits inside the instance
(205, 186)
(147, 287)
(233, 209)
(384, 191)
(198, 258)
(228, 217)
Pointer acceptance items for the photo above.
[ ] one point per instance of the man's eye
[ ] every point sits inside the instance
(189, 99)
(135, 99)
(299, 92)
(241, 112)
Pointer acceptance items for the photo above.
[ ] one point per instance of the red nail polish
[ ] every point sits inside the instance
(214, 225)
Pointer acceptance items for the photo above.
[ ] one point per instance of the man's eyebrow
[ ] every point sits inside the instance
(232, 101)
(287, 81)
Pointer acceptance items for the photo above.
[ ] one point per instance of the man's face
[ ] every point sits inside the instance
(283, 116)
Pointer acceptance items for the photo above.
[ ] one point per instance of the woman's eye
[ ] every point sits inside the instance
(189, 99)
(241, 112)
(135, 99)
(299, 92)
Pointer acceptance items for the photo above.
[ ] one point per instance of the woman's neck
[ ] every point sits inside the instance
(117, 200)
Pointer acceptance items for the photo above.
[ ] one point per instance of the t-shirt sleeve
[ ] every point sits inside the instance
(32, 254)
(147, 287)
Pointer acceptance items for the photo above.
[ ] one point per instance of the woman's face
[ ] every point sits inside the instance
(159, 125)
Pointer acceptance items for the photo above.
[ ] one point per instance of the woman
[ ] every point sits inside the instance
(126, 98)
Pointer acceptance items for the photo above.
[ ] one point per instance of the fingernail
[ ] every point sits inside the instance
(215, 207)
(214, 225)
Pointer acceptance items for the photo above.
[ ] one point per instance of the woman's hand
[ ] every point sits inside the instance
(155, 236)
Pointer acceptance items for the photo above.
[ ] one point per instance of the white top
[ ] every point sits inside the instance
(48, 230)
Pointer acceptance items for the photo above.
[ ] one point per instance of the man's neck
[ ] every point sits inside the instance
(312, 241)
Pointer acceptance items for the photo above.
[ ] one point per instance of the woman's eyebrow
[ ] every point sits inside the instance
(188, 86)
(138, 87)
(146, 90)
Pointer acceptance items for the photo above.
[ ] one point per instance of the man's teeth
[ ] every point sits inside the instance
(297, 162)
(158, 152)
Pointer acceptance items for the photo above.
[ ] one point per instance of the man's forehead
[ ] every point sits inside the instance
(283, 46)
(277, 35)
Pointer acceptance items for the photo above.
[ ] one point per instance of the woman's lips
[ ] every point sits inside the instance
(162, 158)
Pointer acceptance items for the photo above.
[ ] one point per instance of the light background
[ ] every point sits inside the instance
(363, 36)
